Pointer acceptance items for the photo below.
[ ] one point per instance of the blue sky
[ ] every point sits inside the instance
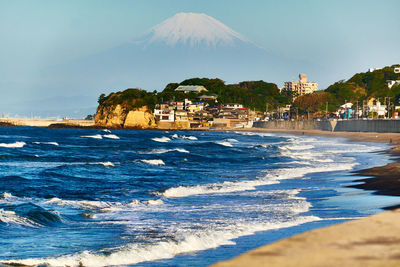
(349, 36)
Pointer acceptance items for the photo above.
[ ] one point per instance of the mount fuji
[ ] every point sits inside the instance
(184, 46)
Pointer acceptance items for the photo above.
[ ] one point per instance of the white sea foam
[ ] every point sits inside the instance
(46, 143)
(111, 136)
(163, 139)
(272, 177)
(106, 131)
(96, 136)
(154, 202)
(106, 164)
(10, 217)
(185, 242)
(164, 150)
(296, 147)
(232, 140)
(6, 195)
(157, 162)
(189, 137)
(224, 143)
(13, 145)
(175, 136)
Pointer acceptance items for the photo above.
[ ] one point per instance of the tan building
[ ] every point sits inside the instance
(302, 87)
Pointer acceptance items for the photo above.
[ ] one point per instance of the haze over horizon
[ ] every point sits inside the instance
(58, 57)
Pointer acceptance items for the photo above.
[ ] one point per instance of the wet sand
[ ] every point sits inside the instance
(371, 241)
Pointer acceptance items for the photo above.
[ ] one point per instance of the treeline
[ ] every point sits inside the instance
(360, 87)
(259, 95)
(252, 94)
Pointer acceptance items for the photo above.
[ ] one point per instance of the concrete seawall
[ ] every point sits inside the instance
(379, 126)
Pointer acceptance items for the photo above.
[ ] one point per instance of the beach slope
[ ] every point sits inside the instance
(370, 241)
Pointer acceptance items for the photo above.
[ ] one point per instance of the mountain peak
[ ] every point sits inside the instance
(194, 29)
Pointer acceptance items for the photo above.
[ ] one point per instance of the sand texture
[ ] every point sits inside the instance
(371, 241)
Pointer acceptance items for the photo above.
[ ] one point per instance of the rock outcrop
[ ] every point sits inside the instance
(119, 117)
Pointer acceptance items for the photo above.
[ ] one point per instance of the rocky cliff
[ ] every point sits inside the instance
(120, 117)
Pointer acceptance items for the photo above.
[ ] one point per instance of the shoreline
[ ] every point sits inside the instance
(369, 241)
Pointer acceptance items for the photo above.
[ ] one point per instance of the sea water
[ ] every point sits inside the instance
(181, 198)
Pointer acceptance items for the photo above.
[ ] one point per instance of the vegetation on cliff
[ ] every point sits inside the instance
(252, 94)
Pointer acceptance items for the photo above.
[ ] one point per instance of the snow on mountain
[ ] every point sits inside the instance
(195, 30)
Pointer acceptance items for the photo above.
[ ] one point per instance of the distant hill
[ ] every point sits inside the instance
(365, 85)
(361, 86)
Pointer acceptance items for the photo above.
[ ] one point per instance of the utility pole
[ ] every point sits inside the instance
(357, 111)
(326, 111)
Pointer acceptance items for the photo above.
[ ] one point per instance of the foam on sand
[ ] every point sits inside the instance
(96, 136)
(157, 162)
(163, 139)
(13, 145)
(111, 136)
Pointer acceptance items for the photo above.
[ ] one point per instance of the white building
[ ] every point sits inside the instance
(373, 69)
(392, 83)
(233, 105)
(191, 88)
(396, 69)
(164, 115)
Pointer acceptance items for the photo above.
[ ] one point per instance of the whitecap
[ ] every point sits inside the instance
(111, 136)
(224, 143)
(163, 139)
(106, 131)
(106, 164)
(157, 162)
(154, 202)
(13, 145)
(46, 143)
(164, 150)
(96, 136)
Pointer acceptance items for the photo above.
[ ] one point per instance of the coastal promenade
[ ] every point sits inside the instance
(46, 122)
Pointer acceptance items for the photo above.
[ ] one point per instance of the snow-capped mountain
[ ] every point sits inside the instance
(195, 30)
(184, 46)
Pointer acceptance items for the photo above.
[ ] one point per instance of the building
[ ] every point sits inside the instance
(191, 89)
(396, 69)
(392, 83)
(208, 97)
(233, 106)
(302, 87)
(373, 69)
(164, 115)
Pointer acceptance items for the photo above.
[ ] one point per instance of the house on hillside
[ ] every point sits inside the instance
(392, 83)
(396, 69)
(191, 89)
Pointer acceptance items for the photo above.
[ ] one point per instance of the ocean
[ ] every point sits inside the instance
(177, 198)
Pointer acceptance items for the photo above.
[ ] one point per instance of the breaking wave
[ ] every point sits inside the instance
(13, 145)
(46, 143)
(163, 139)
(111, 136)
(224, 143)
(157, 162)
(96, 136)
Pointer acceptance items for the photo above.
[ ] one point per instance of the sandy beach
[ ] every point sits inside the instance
(371, 241)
